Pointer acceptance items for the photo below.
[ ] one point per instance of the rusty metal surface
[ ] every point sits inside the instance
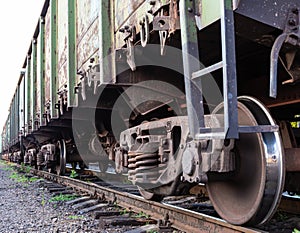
(132, 20)
(87, 31)
(62, 39)
(180, 218)
(124, 9)
(47, 56)
(38, 81)
(292, 159)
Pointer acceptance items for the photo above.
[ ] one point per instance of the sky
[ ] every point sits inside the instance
(18, 20)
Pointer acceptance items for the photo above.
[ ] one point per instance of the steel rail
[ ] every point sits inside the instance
(179, 218)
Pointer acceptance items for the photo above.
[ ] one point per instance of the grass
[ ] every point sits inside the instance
(25, 168)
(296, 231)
(141, 215)
(123, 211)
(75, 217)
(19, 178)
(63, 197)
(73, 174)
(22, 178)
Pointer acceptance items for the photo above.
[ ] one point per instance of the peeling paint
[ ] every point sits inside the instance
(62, 44)
(47, 56)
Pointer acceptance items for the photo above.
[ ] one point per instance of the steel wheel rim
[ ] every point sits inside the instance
(61, 167)
(266, 184)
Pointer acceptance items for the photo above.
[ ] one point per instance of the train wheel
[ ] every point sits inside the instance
(62, 157)
(253, 193)
(149, 195)
(103, 165)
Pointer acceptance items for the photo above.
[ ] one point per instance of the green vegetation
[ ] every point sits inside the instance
(75, 217)
(123, 212)
(8, 168)
(141, 215)
(18, 178)
(152, 231)
(73, 174)
(25, 169)
(296, 231)
(33, 179)
(22, 178)
(63, 197)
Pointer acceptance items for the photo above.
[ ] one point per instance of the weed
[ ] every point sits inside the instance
(296, 231)
(123, 211)
(73, 174)
(75, 217)
(8, 169)
(33, 179)
(25, 168)
(18, 178)
(152, 231)
(141, 215)
(62, 197)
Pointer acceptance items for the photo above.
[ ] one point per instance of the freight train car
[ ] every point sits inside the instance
(172, 93)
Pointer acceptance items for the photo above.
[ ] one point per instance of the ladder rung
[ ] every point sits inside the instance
(207, 70)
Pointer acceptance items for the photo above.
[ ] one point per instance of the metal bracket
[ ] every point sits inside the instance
(130, 37)
(291, 35)
(145, 33)
(62, 99)
(93, 76)
(164, 23)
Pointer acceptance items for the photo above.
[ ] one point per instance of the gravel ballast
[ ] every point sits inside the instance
(26, 206)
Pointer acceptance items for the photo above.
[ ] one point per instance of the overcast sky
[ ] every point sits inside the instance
(18, 20)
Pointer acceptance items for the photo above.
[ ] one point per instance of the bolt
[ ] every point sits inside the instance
(152, 2)
(197, 180)
(150, 11)
(122, 30)
(292, 22)
(295, 11)
(190, 10)
(181, 146)
(274, 158)
(182, 178)
(141, 22)
(126, 27)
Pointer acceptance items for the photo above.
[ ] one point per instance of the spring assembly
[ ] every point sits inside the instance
(27, 158)
(143, 164)
(40, 158)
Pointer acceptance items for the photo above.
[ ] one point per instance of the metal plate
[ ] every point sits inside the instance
(62, 45)
(252, 194)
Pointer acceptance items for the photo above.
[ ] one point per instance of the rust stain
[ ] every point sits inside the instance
(124, 9)
(47, 56)
(133, 20)
(89, 44)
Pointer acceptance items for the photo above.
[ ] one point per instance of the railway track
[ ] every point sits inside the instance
(177, 217)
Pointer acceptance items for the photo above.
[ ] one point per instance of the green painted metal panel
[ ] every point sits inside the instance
(72, 61)
(17, 108)
(53, 58)
(12, 112)
(42, 70)
(211, 11)
(27, 93)
(34, 85)
(106, 35)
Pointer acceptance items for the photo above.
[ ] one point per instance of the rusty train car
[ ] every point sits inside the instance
(173, 93)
